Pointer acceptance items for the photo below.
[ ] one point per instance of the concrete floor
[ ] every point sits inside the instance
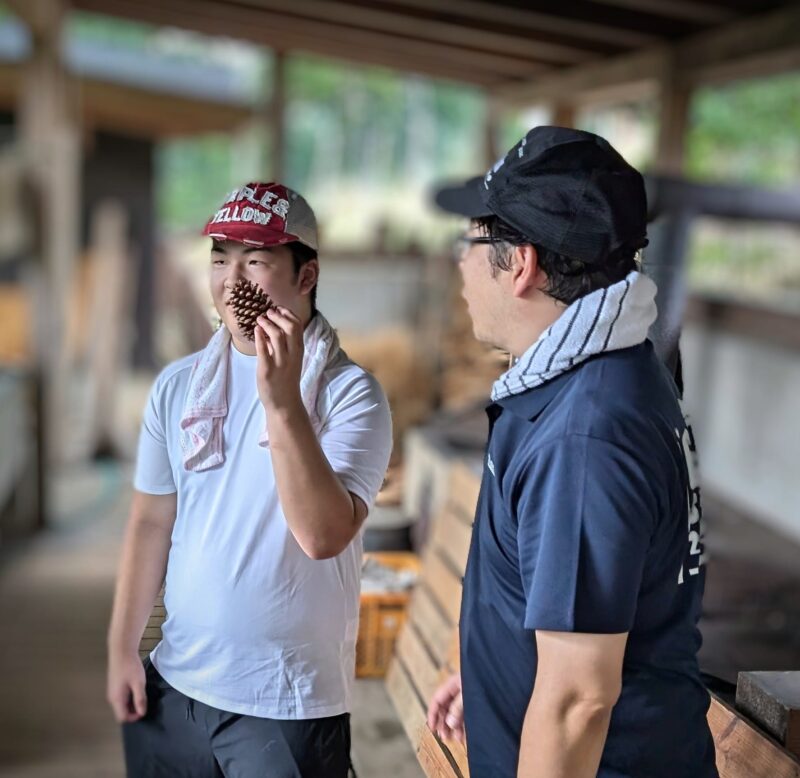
(55, 599)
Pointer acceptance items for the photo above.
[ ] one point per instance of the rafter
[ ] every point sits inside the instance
(747, 47)
(688, 10)
(529, 21)
(291, 33)
(369, 18)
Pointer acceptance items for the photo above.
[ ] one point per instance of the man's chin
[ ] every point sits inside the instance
(483, 337)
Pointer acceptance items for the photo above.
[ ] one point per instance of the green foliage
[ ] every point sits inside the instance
(747, 132)
(193, 176)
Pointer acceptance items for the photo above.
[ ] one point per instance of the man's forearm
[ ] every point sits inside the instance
(141, 573)
(317, 507)
(562, 738)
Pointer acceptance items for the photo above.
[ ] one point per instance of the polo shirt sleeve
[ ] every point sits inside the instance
(356, 436)
(153, 473)
(585, 516)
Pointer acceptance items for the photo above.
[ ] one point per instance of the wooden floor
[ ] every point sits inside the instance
(55, 597)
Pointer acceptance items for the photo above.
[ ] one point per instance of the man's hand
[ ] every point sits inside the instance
(446, 710)
(125, 689)
(279, 348)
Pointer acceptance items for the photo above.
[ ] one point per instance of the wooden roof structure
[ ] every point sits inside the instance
(520, 50)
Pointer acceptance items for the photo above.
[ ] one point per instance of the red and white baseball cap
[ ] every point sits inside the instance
(260, 214)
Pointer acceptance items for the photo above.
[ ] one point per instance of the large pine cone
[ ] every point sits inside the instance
(248, 302)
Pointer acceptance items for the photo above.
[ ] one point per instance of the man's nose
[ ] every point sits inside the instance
(234, 273)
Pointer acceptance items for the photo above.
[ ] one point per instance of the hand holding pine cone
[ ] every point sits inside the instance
(248, 302)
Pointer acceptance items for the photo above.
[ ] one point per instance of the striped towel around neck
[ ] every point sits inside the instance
(609, 319)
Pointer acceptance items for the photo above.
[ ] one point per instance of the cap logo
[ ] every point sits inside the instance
(235, 213)
(497, 165)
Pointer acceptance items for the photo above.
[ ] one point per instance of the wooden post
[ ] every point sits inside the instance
(111, 297)
(491, 131)
(277, 117)
(675, 96)
(665, 258)
(51, 144)
(563, 114)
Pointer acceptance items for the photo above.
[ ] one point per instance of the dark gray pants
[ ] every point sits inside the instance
(182, 738)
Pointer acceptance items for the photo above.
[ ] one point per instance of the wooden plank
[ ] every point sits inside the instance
(406, 703)
(530, 20)
(464, 487)
(625, 70)
(452, 537)
(453, 663)
(688, 10)
(289, 33)
(702, 59)
(427, 617)
(743, 751)
(443, 584)
(458, 752)
(436, 759)
(421, 667)
(432, 28)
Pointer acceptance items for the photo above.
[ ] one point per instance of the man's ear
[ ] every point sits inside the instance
(309, 275)
(526, 274)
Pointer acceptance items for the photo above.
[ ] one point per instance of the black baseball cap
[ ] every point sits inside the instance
(567, 190)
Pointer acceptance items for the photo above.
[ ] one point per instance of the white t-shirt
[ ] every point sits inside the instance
(254, 625)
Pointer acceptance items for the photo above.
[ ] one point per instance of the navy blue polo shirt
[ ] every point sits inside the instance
(588, 521)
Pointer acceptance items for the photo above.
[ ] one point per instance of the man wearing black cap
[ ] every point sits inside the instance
(585, 575)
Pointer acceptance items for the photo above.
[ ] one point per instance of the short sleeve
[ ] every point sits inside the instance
(356, 436)
(153, 473)
(586, 514)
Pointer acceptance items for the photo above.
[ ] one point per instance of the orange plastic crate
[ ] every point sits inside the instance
(382, 616)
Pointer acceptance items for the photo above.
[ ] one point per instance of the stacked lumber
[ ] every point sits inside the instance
(401, 367)
(427, 650)
(468, 367)
(16, 336)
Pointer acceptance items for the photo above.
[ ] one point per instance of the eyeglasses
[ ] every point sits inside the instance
(463, 242)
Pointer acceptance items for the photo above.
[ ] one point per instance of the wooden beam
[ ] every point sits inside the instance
(292, 33)
(688, 10)
(530, 21)
(249, 28)
(757, 45)
(726, 201)
(432, 28)
(743, 751)
(624, 72)
(750, 37)
(133, 111)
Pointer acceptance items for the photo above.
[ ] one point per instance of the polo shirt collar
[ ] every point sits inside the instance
(528, 405)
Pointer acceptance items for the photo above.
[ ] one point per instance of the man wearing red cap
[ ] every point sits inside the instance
(258, 460)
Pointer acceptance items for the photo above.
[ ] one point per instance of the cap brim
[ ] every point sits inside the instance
(463, 199)
(248, 236)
